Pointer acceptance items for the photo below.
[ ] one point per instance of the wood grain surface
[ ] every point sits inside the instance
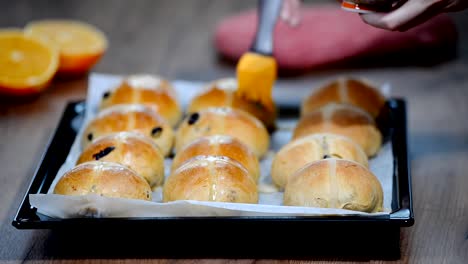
(173, 38)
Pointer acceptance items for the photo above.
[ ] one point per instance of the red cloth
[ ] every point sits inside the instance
(328, 35)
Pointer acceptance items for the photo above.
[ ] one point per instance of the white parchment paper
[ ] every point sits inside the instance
(270, 200)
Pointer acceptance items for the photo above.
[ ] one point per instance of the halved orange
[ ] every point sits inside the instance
(81, 45)
(27, 65)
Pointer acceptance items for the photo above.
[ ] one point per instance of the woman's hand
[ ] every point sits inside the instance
(412, 13)
(407, 14)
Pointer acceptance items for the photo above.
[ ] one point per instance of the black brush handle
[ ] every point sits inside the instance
(268, 12)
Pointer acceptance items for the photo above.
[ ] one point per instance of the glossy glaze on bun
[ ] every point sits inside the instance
(211, 178)
(335, 183)
(345, 120)
(222, 93)
(298, 153)
(103, 178)
(224, 121)
(131, 149)
(133, 118)
(150, 90)
(357, 92)
(220, 145)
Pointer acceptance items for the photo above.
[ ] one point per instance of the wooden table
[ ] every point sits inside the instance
(173, 38)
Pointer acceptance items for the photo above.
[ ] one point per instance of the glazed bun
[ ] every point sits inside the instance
(135, 118)
(103, 178)
(345, 120)
(297, 153)
(222, 93)
(224, 121)
(131, 149)
(335, 183)
(220, 145)
(211, 178)
(149, 90)
(358, 92)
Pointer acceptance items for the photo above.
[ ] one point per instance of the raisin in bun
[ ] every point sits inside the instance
(335, 183)
(220, 145)
(131, 149)
(103, 178)
(297, 153)
(358, 92)
(345, 120)
(222, 93)
(224, 121)
(149, 90)
(135, 118)
(211, 178)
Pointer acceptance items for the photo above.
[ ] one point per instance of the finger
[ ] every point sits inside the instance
(396, 18)
(408, 15)
(286, 10)
(420, 19)
(295, 12)
(374, 19)
(455, 6)
(290, 12)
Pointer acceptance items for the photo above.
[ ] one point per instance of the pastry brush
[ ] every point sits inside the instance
(256, 69)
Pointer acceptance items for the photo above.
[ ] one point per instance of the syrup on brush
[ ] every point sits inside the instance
(256, 69)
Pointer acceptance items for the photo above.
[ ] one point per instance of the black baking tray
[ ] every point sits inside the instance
(343, 234)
